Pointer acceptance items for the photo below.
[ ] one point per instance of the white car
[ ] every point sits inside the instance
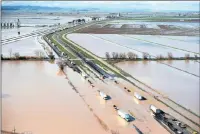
(124, 115)
(103, 95)
(138, 96)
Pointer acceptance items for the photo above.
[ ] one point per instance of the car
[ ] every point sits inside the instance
(124, 115)
(103, 95)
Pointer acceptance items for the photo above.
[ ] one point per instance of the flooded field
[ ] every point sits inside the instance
(155, 24)
(43, 98)
(40, 101)
(97, 45)
(181, 87)
(39, 20)
(185, 42)
(121, 43)
(145, 27)
(13, 32)
(25, 47)
(138, 45)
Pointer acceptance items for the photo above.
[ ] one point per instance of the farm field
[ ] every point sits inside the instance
(185, 42)
(26, 47)
(173, 83)
(112, 42)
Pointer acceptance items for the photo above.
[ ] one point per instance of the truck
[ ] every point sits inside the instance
(155, 110)
(103, 95)
(139, 97)
(124, 115)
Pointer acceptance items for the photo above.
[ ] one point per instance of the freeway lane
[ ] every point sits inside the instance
(117, 91)
(119, 97)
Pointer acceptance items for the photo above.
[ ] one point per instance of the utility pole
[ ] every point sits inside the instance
(18, 25)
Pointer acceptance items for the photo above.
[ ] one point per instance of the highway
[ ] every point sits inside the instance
(119, 95)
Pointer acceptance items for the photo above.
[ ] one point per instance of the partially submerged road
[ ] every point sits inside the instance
(120, 97)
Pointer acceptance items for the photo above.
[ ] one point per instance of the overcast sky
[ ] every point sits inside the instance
(150, 5)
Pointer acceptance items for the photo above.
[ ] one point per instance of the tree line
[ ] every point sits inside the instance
(77, 21)
(39, 54)
(145, 56)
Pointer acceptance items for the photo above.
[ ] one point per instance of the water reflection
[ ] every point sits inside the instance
(169, 62)
(187, 61)
(60, 72)
(121, 121)
(52, 61)
(136, 100)
(145, 62)
(102, 101)
(37, 97)
(40, 64)
(169, 81)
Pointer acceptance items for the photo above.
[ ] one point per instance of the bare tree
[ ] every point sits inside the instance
(107, 55)
(170, 56)
(113, 55)
(39, 53)
(83, 20)
(116, 55)
(130, 55)
(187, 56)
(145, 56)
(135, 56)
(10, 52)
(121, 55)
(124, 55)
(160, 57)
(196, 57)
(16, 55)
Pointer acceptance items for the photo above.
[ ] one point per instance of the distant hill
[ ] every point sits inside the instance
(29, 8)
(42, 8)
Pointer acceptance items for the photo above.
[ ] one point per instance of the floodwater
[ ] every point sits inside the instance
(41, 101)
(37, 99)
(97, 43)
(25, 47)
(186, 43)
(102, 43)
(33, 22)
(190, 66)
(178, 24)
(13, 32)
(152, 49)
(39, 20)
(181, 87)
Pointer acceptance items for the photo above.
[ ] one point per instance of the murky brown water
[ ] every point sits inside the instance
(175, 84)
(38, 98)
